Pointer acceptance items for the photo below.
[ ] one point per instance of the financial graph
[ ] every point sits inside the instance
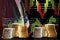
(45, 11)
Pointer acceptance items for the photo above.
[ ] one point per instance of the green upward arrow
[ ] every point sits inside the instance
(52, 19)
(9, 25)
(20, 21)
(46, 5)
(31, 3)
(34, 24)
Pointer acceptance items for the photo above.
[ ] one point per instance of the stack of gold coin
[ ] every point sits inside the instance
(45, 31)
(45, 34)
(20, 31)
(16, 26)
(51, 30)
(23, 32)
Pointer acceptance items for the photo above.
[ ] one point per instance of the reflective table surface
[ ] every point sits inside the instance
(30, 39)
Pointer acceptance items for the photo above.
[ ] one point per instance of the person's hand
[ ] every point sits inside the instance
(27, 24)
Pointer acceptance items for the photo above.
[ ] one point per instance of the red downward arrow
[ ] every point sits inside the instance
(41, 12)
(55, 10)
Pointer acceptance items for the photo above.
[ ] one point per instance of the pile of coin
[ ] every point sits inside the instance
(20, 31)
(38, 32)
(51, 30)
(48, 30)
(8, 33)
(23, 32)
